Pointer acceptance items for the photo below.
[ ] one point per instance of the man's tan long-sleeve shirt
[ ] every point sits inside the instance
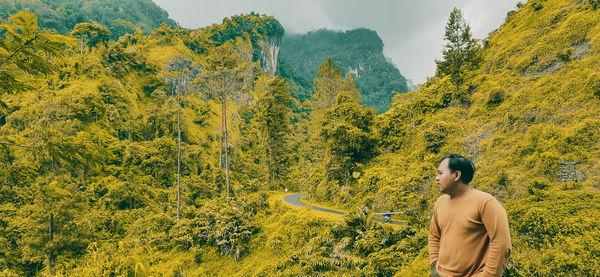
(469, 236)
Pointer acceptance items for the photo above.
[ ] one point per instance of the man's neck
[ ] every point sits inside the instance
(460, 191)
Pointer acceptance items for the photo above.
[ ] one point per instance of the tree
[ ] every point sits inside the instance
(52, 225)
(94, 32)
(180, 72)
(227, 73)
(327, 85)
(347, 130)
(273, 116)
(462, 52)
(26, 51)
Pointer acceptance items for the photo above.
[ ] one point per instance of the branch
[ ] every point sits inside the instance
(24, 146)
(18, 50)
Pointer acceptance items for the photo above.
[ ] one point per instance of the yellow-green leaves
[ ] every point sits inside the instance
(26, 51)
(95, 33)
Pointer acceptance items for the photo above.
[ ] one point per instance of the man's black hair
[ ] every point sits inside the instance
(462, 164)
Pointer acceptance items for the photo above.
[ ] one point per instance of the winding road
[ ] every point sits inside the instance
(294, 199)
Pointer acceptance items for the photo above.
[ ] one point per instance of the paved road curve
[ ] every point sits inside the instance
(294, 199)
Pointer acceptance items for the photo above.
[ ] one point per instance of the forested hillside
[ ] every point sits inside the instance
(92, 169)
(358, 52)
(525, 106)
(166, 153)
(118, 16)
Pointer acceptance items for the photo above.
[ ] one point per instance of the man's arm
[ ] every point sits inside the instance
(434, 272)
(434, 243)
(496, 224)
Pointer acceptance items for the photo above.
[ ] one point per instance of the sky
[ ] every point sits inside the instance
(412, 30)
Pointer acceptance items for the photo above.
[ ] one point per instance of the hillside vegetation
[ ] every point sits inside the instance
(358, 52)
(119, 16)
(117, 157)
(532, 103)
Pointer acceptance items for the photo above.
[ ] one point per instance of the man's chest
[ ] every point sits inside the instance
(459, 217)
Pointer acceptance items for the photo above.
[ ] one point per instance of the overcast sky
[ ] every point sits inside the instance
(412, 30)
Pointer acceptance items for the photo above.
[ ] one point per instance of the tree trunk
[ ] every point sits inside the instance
(226, 147)
(221, 138)
(178, 153)
(50, 254)
(220, 143)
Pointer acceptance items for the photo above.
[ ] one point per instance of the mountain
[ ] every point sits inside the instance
(358, 52)
(119, 16)
(113, 157)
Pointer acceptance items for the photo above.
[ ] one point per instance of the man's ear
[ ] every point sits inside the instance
(458, 175)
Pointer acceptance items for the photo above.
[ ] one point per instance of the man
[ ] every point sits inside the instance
(469, 233)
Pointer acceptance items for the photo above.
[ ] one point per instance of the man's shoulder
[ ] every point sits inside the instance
(442, 198)
(484, 199)
(482, 195)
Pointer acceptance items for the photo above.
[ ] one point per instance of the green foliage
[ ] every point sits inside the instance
(358, 52)
(496, 97)
(88, 158)
(259, 28)
(119, 60)
(327, 85)
(461, 53)
(273, 116)
(345, 129)
(93, 32)
(120, 16)
(153, 84)
(227, 69)
(225, 224)
(557, 236)
(56, 228)
(357, 247)
(347, 126)
(26, 51)
(99, 156)
(594, 84)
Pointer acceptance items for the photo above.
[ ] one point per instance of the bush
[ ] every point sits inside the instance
(496, 97)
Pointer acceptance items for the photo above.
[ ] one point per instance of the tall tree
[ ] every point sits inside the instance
(228, 70)
(181, 70)
(273, 116)
(327, 85)
(462, 52)
(347, 131)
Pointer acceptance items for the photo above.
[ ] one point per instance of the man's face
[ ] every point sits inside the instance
(446, 179)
